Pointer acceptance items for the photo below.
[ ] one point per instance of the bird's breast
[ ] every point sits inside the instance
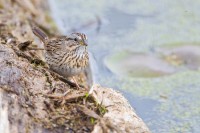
(67, 64)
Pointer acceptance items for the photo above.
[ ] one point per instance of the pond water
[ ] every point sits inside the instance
(148, 50)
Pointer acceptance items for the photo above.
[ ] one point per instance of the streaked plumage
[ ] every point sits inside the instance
(66, 55)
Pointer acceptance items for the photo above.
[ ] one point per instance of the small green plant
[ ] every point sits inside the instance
(102, 109)
(86, 95)
(92, 120)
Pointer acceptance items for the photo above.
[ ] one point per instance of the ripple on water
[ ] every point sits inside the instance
(166, 61)
(138, 65)
(187, 55)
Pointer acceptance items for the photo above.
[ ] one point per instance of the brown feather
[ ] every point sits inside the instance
(39, 33)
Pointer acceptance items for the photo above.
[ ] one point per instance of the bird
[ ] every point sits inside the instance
(65, 55)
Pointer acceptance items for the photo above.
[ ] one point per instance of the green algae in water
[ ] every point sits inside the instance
(177, 93)
(180, 109)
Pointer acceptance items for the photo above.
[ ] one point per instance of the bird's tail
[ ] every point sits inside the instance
(39, 33)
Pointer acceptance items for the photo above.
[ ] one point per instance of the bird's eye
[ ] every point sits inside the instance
(75, 39)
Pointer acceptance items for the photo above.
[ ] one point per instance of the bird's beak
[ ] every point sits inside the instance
(85, 43)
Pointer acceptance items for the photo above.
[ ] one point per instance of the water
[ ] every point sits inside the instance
(149, 50)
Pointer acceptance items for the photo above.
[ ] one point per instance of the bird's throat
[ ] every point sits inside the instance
(81, 51)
